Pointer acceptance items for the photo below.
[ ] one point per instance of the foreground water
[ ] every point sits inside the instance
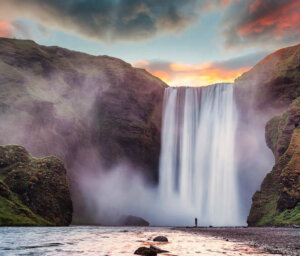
(107, 241)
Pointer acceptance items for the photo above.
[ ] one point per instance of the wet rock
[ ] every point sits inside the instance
(157, 249)
(145, 251)
(160, 239)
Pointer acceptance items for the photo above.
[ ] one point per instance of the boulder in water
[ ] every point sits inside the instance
(160, 239)
(157, 249)
(145, 251)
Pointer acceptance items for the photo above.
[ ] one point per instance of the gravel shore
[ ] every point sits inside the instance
(285, 241)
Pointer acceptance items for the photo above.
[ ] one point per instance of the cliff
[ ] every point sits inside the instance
(94, 112)
(33, 192)
(278, 201)
(275, 90)
(272, 84)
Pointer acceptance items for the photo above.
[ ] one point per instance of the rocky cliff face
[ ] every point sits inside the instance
(278, 201)
(33, 191)
(265, 91)
(273, 88)
(272, 84)
(94, 112)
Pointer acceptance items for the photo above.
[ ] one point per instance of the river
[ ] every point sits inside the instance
(116, 241)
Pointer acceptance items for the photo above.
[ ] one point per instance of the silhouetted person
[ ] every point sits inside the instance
(196, 222)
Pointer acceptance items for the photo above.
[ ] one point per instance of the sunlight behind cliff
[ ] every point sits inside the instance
(179, 74)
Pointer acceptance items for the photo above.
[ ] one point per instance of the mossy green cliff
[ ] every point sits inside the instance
(33, 191)
(278, 201)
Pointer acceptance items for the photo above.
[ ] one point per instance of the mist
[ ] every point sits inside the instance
(121, 191)
(55, 111)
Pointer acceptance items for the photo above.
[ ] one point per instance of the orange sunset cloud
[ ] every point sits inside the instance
(280, 21)
(5, 29)
(179, 74)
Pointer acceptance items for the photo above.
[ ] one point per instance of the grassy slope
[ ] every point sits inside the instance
(14, 213)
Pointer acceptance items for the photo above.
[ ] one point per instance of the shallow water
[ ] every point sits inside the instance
(106, 241)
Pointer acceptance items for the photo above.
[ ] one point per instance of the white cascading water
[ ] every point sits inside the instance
(197, 165)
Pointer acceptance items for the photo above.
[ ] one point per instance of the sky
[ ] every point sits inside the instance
(183, 42)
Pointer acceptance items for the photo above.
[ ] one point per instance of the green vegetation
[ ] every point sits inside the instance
(288, 217)
(269, 211)
(14, 213)
(33, 192)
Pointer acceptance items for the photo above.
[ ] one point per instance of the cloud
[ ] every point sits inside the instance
(245, 23)
(275, 23)
(181, 74)
(110, 20)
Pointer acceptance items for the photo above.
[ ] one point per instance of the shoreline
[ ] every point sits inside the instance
(274, 240)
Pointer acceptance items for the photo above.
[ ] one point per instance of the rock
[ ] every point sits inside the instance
(145, 251)
(158, 250)
(278, 201)
(34, 191)
(160, 239)
(272, 84)
(4, 191)
(262, 95)
(84, 109)
(131, 220)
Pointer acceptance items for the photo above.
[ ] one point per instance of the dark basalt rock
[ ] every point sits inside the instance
(38, 186)
(145, 251)
(160, 239)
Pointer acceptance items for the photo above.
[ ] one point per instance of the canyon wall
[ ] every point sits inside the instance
(272, 88)
(94, 112)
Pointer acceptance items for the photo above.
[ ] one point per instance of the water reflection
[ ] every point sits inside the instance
(111, 241)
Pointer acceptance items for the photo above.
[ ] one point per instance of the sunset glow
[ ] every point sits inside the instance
(289, 20)
(178, 74)
(5, 29)
(192, 42)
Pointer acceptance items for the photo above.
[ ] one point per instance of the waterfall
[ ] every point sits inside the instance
(197, 165)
